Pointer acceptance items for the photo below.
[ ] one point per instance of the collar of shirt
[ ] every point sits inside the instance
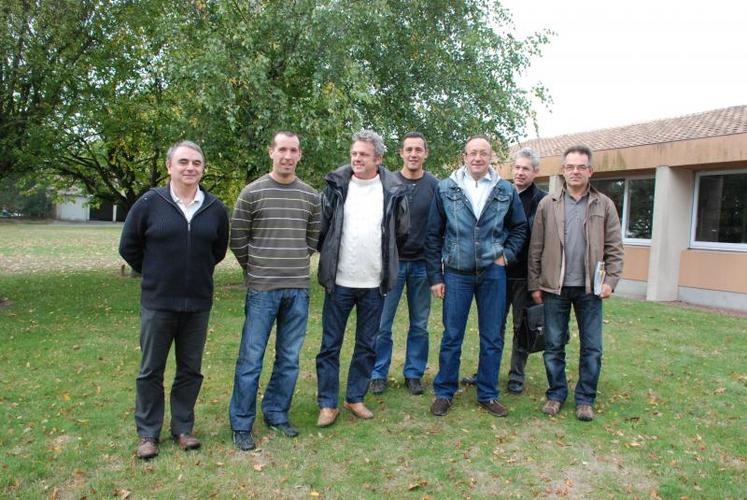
(192, 208)
(476, 191)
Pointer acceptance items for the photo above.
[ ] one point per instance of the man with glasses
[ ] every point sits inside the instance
(524, 169)
(476, 227)
(575, 259)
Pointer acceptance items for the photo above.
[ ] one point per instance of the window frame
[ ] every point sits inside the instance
(626, 209)
(710, 245)
(625, 215)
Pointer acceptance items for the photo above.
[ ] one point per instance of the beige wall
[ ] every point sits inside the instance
(714, 270)
(635, 266)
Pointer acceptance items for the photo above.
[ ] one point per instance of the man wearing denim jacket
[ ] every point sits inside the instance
(476, 227)
(576, 231)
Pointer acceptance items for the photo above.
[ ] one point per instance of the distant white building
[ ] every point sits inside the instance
(75, 207)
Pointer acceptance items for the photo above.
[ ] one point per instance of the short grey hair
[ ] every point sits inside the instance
(186, 144)
(372, 138)
(578, 148)
(529, 153)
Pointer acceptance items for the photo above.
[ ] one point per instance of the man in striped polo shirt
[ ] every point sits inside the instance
(274, 230)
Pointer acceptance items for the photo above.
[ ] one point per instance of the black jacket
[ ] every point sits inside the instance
(530, 199)
(394, 226)
(176, 258)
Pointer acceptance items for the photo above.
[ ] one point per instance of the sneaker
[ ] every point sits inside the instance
(285, 428)
(494, 407)
(552, 407)
(377, 385)
(147, 448)
(515, 388)
(584, 413)
(414, 386)
(469, 380)
(243, 440)
(440, 407)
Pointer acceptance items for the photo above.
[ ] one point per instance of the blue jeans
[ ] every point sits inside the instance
(413, 274)
(588, 309)
(337, 307)
(290, 308)
(489, 289)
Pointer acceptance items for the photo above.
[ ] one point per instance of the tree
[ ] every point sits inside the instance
(43, 49)
(448, 69)
(228, 74)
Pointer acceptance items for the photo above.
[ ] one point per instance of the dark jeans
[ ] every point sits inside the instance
(157, 331)
(588, 310)
(337, 307)
(289, 307)
(413, 275)
(489, 290)
(518, 298)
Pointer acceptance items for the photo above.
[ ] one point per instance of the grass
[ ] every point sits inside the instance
(671, 407)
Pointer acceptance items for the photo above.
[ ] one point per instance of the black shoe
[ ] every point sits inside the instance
(494, 407)
(470, 380)
(515, 388)
(243, 440)
(414, 386)
(377, 385)
(440, 407)
(286, 428)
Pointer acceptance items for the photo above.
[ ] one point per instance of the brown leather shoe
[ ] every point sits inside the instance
(494, 407)
(327, 417)
(552, 407)
(359, 410)
(187, 441)
(147, 448)
(584, 413)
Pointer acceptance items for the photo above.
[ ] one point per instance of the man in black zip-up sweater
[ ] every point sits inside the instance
(174, 236)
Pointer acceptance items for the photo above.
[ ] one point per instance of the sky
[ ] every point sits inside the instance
(618, 63)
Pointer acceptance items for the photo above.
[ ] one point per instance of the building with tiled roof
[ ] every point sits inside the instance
(680, 185)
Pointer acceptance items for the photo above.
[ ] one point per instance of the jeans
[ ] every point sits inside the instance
(489, 289)
(289, 308)
(412, 274)
(337, 307)
(158, 329)
(518, 298)
(588, 309)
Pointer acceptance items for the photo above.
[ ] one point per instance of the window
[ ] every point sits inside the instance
(634, 201)
(720, 210)
(639, 216)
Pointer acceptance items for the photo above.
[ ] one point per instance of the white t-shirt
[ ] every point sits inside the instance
(359, 262)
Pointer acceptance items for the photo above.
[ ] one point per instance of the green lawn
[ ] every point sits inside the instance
(671, 408)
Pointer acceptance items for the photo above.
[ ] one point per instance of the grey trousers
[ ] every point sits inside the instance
(518, 298)
(158, 329)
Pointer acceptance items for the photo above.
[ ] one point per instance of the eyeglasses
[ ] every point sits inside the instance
(580, 168)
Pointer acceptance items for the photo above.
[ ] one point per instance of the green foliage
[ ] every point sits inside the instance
(110, 84)
(20, 195)
(44, 51)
